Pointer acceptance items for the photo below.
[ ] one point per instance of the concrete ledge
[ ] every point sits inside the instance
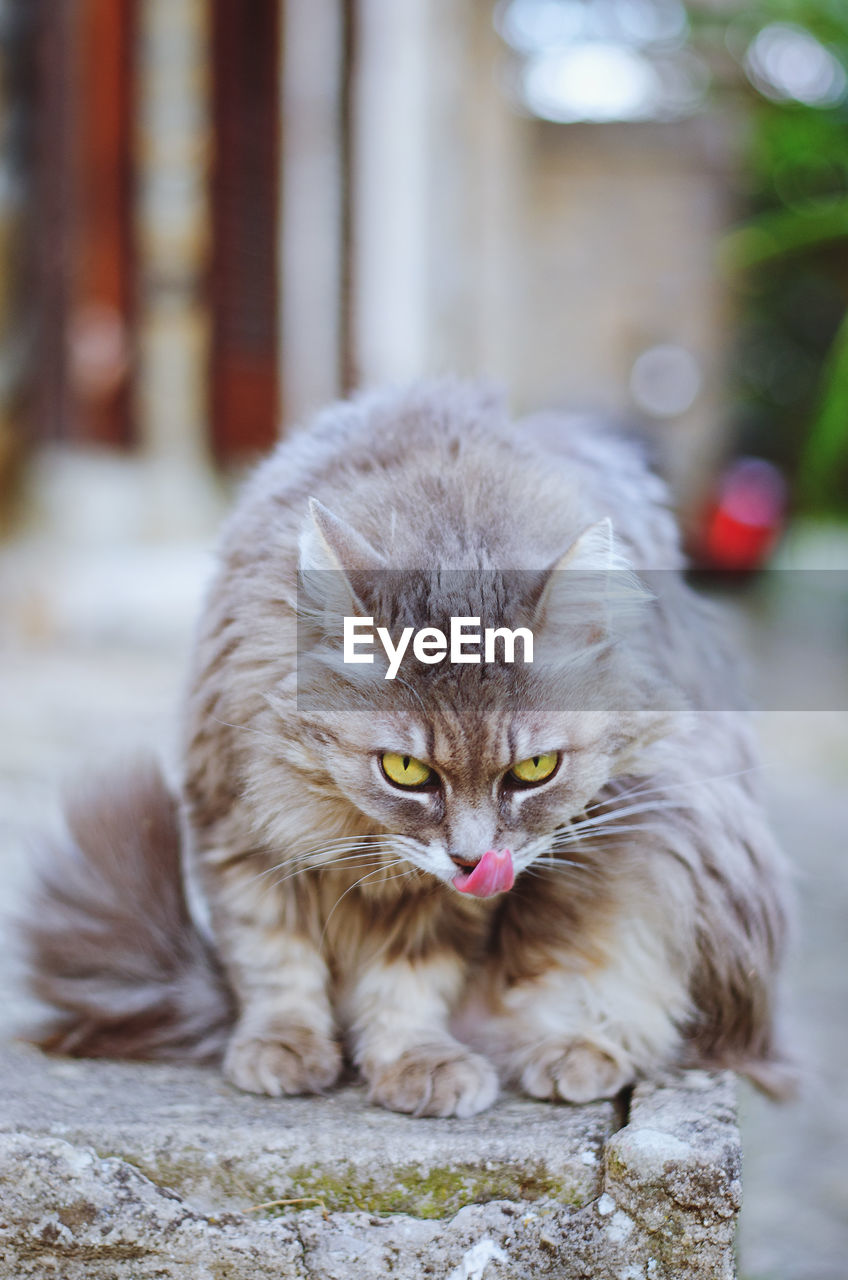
(111, 1171)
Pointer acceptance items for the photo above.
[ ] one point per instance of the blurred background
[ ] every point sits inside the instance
(217, 216)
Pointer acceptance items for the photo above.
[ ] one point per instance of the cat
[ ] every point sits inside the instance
(554, 875)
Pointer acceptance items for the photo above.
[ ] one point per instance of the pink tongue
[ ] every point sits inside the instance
(493, 874)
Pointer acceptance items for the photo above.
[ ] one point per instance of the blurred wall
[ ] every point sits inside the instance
(548, 256)
(311, 195)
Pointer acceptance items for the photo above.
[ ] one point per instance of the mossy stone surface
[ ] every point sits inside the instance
(119, 1171)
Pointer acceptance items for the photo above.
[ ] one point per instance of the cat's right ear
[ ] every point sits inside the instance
(327, 542)
(334, 561)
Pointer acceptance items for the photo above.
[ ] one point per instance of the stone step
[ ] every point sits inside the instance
(119, 1171)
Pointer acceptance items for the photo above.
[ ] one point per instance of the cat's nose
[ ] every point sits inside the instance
(462, 861)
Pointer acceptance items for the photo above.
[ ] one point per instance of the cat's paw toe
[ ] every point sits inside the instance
(441, 1080)
(575, 1071)
(297, 1060)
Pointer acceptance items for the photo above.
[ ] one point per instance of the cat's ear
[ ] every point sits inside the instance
(334, 559)
(593, 552)
(330, 543)
(586, 586)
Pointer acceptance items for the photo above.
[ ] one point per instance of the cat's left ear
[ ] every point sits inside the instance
(586, 586)
(593, 552)
(334, 559)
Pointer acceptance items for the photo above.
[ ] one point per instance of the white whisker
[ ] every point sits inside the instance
(625, 811)
(672, 786)
(356, 885)
(381, 862)
(558, 862)
(604, 832)
(314, 857)
(247, 728)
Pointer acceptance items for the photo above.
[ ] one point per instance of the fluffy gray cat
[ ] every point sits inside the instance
(556, 874)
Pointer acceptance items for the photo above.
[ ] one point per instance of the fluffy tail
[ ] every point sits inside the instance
(109, 942)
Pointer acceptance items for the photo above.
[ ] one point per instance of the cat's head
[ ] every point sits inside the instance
(462, 761)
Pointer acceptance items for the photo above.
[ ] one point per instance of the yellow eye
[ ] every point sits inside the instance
(406, 771)
(536, 769)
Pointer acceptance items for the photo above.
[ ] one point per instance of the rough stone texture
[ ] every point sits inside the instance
(111, 1171)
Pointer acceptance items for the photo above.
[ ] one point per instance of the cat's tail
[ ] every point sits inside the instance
(109, 943)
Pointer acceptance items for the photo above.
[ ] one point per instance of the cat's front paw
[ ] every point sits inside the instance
(297, 1060)
(435, 1080)
(575, 1071)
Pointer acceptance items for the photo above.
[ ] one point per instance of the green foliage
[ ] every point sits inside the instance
(823, 460)
(791, 263)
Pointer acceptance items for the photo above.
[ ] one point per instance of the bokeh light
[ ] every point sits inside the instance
(603, 60)
(786, 63)
(665, 380)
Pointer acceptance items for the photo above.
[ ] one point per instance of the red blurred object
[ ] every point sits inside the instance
(744, 522)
